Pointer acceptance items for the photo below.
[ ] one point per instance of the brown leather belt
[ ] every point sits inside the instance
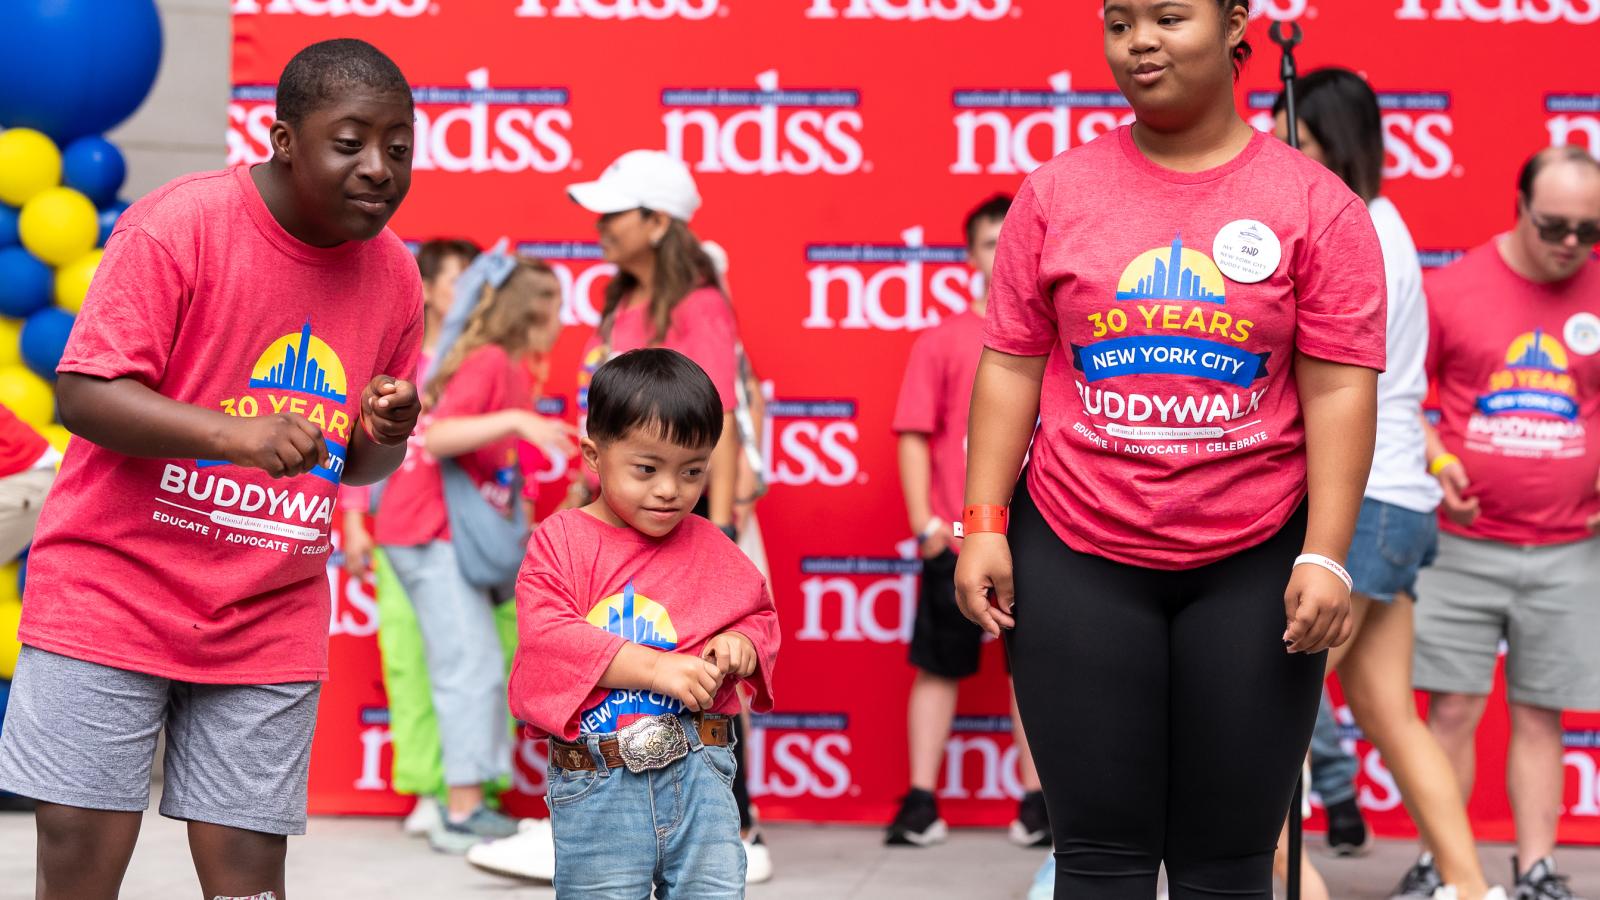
(714, 732)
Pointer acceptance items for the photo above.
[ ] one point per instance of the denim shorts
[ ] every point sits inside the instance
(1391, 545)
(675, 830)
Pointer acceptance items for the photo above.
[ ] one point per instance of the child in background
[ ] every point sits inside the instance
(637, 622)
(480, 401)
(240, 355)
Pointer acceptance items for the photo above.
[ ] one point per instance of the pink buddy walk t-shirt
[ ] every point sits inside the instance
(1518, 369)
(588, 587)
(934, 398)
(199, 570)
(1171, 306)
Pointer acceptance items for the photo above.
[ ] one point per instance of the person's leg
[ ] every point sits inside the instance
(238, 758)
(80, 738)
(1029, 773)
(605, 833)
(1089, 659)
(1551, 665)
(929, 715)
(1242, 710)
(1534, 780)
(1453, 719)
(702, 857)
(414, 731)
(1333, 771)
(83, 853)
(1376, 676)
(234, 862)
(465, 670)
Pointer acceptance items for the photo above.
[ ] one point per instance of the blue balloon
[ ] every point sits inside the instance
(72, 68)
(27, 285)
(22, 574)
(44, 339)
(9, 237)
(94, 167)
(108, 219)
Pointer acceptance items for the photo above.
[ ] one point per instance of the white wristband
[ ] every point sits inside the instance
(930, 529)
(1317, 559)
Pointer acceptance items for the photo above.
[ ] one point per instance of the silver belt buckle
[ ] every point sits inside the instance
(652, 743)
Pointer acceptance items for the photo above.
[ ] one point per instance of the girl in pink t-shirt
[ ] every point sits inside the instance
(1194, 315)
(480, 404)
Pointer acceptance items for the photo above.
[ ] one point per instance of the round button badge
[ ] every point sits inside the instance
(1582, 334)
(1247, 251)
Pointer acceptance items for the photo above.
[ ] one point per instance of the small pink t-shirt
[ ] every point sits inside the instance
(412, 509)
(934, 399)
(199, 570)
(1171, 306)
(587, 588)
(1517, 366)
(702, 328)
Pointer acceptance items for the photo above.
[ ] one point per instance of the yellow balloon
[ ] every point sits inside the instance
(10, 342)
(10, 618)
(27, 395)
(57, 435)
(29, 163)
(72, 281)
(8, 586)
(59, 225)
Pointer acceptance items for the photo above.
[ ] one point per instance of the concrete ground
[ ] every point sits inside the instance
(368, 858)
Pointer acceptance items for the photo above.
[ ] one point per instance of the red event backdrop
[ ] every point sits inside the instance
(838, 144)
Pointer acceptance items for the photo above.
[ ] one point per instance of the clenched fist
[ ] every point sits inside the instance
(688, 679)
(389, 410)
(283, 444)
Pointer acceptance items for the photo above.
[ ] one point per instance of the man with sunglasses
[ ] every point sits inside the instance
(1514, 349)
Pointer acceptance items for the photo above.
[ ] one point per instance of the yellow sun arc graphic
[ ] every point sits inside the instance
(1537, 350)
(635, 617)
(1172, 273)
(301, 362)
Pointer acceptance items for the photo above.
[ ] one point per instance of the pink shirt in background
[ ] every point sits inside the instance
(703, 329)
(1171, 433)
(199, 570)
(20, 445)
(412, 511)
(934, 400)
(1517, 366)
(587, 587)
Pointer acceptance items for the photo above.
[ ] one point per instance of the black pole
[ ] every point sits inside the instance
(1287, 73)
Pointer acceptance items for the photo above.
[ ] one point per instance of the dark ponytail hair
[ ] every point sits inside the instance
(1341, 111)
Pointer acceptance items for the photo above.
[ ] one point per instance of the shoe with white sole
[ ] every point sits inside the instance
(757, 859)
(1448, 892)
(530, 854)
(917, 824)
(424, 817)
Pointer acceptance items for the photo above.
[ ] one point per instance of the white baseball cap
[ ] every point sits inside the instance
(647, 178)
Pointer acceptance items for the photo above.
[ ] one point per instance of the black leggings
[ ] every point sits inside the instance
(1167, 720)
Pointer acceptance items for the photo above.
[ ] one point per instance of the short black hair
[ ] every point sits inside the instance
(993, 209)
(432, 254)
(1539, 161)
(1341, 111)
(318, 72)
(658, 390)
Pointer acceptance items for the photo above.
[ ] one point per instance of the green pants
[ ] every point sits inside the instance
(414, 732)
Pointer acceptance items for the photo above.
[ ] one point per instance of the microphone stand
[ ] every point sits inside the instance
(1287, 72)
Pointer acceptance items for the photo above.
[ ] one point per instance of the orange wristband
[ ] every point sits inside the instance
(984, 517)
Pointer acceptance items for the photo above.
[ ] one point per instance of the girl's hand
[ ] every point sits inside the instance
(984, 589)
(543, 431)
(1317, 606)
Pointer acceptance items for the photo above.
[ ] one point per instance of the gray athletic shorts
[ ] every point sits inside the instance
(1544, 601)
(82, 734)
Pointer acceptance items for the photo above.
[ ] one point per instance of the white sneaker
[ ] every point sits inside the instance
(529, 854)
(1448, 892)
(757, 859)
(424, 818)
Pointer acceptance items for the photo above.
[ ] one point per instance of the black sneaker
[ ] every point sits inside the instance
(1420, 881)
(1347, 830)
(1541, 882)
(1031, 828)
(918, 823)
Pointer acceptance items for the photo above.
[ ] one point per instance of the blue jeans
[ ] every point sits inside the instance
(1333, 771)
(675, 830)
